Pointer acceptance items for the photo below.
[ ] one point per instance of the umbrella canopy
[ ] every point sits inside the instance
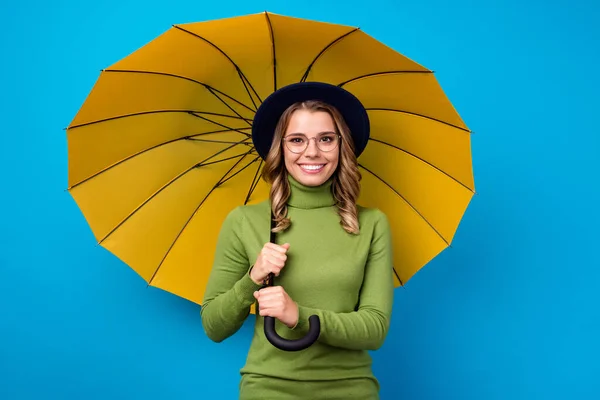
(160, 152)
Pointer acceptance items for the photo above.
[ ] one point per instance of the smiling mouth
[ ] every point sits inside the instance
(312, 168)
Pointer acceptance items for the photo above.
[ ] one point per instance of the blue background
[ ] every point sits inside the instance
(511, 311)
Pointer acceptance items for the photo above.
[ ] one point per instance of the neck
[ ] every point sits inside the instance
(307, 197)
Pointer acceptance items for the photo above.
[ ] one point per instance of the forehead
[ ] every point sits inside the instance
(310, 122)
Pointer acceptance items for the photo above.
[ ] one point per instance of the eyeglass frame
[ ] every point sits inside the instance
(339, 137)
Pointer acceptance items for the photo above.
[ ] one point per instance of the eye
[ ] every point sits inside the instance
(328, 138)
(296, 140)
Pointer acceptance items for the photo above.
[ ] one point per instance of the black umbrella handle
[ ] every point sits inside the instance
(314, 327)
(314, 330)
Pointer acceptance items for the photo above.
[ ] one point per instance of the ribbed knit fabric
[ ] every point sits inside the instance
(343, 278)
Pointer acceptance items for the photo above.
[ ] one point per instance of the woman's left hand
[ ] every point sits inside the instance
(274, 302)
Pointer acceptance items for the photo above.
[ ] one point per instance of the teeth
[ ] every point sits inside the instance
(312, 167)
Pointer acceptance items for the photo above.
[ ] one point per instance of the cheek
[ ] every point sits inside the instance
(289, 158)
(334, 160)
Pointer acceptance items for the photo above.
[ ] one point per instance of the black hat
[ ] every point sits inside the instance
(268, 114)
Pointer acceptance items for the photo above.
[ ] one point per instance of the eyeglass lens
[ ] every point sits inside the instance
(297, 142)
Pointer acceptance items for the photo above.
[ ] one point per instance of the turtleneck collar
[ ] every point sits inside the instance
(310, 196)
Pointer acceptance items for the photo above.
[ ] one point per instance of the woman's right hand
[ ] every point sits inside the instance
(271, 258)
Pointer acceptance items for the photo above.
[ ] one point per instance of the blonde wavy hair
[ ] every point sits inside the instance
(346, 178)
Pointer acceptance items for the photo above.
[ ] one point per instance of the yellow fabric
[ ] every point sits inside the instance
(162, 127)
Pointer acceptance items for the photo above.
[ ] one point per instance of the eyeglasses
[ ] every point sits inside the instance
(297, 142)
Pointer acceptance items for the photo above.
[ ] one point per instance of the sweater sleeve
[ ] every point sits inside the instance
(229, 291)
(367, 327)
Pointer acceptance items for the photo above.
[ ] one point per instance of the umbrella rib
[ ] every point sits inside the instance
(213, 132)
(141, 152)
(152, 112)
(173, 180)
(231, 108)
(337, 40)
(204, 164)
(212, 141)
(211, 89)
(406, 201)
(255, 181)
(383, 73)
(247, 90)
(418, 115)
(239, 171)
(243, 77)
(397, 276)
(192, 216)
(424, 161)
(273, 51)
(238, 130)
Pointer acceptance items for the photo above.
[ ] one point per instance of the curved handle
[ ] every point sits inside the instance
(293, 345)
(314, 330)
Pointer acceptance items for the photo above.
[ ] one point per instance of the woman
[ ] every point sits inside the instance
(332, 258)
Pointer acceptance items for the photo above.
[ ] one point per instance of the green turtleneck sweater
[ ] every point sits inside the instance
(343, 278)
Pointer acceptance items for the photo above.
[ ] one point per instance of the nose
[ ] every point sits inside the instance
(311, 148)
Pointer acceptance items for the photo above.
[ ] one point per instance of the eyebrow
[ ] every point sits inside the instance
(318, 134)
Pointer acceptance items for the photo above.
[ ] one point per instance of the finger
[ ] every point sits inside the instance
(273, 309)
(267, 264)
(273, 257)
(272, 299)
(280, 249)
(274, 269)
(274, 246)
(274, 261)
(276, 256)
(268, 313)
(271, 290)
(265, 301)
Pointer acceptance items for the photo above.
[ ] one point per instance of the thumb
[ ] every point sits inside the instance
(286, 246)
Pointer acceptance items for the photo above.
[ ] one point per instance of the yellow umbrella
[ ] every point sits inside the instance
(160, 151)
